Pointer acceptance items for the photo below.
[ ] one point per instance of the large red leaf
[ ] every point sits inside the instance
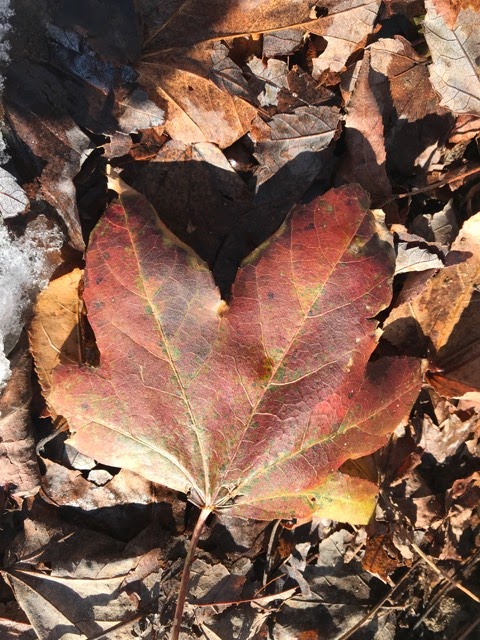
(256, 406)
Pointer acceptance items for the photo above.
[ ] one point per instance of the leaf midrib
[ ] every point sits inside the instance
(185, 399)
(253, 412)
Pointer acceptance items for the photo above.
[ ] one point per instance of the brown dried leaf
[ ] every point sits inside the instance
(365, 158)
(282, 43)
(222, 19)
(345, 28)
(57, 141)
(417, 126)
(18, 462)
(414, 253)
(454, 71)
(54, 331)
(432, 308)
(198, 110)
(13, 199)
(182, 65)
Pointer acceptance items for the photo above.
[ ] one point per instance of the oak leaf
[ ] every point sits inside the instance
(251, 408)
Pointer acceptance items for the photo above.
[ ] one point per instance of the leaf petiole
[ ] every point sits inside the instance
(185, 580)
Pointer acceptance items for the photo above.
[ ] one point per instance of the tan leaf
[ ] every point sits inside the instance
(54, 331)
(439, 314)
(454, 71)
(198, 110)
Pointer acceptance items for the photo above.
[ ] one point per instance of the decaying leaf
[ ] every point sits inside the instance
(439, 315)
(416, 126)
(365, 157)
(345, 28)
(198, 111)
(457, 365)
(287, 22)
(182, 65)
(84, 589)
(338, 593)
(441, 227)
(58, 142)
(13, 199)
(227, 404)
(454, 72)
(18, 463)
(230, 18)
(414, 253)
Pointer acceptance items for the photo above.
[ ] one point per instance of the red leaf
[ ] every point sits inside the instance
(255, 407)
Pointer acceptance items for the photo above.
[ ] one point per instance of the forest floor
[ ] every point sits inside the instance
(225, 116)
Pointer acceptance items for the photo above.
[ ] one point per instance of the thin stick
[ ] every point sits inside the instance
(377, 607)
(467, 566)
(433, 186)
(268, 564)
(184, 582)
(443, 574)
(466, 632)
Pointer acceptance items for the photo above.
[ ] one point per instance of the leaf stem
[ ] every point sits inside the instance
(184, 582)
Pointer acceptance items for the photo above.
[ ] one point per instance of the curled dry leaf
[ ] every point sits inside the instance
(365, 157)
(252, 408)
(438, 313)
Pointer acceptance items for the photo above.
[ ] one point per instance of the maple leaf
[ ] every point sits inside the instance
(253, 408)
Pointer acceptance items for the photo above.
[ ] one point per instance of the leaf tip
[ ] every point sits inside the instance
(114, 182)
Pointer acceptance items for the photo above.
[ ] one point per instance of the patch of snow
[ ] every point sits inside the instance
(25, 268)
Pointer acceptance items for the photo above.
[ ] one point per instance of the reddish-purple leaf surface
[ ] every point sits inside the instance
(254, 407)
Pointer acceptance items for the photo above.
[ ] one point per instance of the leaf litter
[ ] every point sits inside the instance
(238, 115)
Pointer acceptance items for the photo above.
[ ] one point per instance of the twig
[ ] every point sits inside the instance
(468, 566)
(468, 630)
(377, 607)
(433, 186)
(268, 564)
(443, 574)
